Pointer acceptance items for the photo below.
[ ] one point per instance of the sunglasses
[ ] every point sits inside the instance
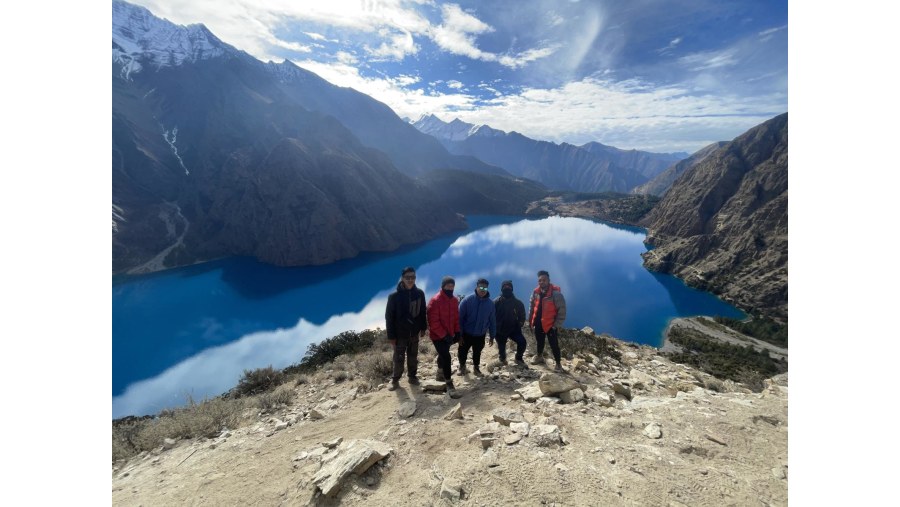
(413, 277)
(482, 288)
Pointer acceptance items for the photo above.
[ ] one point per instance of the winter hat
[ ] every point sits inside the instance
(408, 269)
(482, 282)
(505, 284)
(447, 279)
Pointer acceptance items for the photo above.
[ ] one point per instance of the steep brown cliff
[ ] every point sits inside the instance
(723, 225)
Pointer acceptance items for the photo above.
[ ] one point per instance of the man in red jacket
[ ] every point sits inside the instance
(443, 327)
(546, 315)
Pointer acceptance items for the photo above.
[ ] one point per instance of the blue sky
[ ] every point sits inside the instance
(657, 75)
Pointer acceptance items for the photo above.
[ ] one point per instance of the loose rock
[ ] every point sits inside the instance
(407, 409)
(454, 413)
(653, 430)
(451, 489)
(573, 396)
(545, 435)
(505, 417)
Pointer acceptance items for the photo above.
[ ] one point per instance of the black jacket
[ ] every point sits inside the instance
(405, 313)
(510, 315)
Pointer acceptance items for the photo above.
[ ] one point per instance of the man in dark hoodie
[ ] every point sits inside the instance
(405, 323)
(510, 318)
(476, 318)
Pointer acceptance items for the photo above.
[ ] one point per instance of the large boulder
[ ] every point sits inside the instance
(552, 384)
(573, 396)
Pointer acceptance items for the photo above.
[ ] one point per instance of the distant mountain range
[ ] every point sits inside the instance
(723, 225)
(592, 167)
(218, 154)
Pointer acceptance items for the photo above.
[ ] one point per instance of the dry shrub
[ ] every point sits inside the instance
(752, 379)
(300, 380)
(426, 349)
(282, 395)
(205, 419)
(258, 381)
(714, 384)
(376, 365)
(340, 375)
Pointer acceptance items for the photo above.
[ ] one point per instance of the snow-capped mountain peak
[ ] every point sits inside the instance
(140, 39)
(456, 130)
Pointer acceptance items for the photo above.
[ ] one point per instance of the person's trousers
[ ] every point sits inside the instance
(551, 335)
(515, 336)
(474, 342)
(443, 357)
(406, 348)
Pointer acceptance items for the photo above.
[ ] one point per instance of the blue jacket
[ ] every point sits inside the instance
(477, 316)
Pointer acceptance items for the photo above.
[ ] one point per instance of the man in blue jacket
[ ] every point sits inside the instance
(476, 318)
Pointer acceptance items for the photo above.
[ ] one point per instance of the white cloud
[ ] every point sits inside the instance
(766, 35)
(456, 85)
(672, 45)
(626, 114)
(457, 32)
(345, 58)
(710, 59)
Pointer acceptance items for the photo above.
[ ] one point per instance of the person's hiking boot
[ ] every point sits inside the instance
(451, 390)
(462, 370)
(440, 375)
(395, 383)
(478, 373)
(559, 368)
(413, 380)
(503, 362)
(537, 359)
(521, 363)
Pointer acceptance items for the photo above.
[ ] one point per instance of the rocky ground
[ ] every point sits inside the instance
(638, 431)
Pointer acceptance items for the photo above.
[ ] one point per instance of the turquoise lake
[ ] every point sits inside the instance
(193, 331)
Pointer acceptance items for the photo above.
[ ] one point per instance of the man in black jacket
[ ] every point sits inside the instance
(510, 318)
(405, 323)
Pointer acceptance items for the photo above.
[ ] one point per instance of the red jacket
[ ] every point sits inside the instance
(443, 316)
(553, 311)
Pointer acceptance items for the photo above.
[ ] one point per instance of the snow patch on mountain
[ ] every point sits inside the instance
(171, 142)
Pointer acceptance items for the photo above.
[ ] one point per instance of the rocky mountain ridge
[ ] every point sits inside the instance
(723, 225)
(627, 426)
(661, 183)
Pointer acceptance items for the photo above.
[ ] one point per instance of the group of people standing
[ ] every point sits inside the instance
(468, 322)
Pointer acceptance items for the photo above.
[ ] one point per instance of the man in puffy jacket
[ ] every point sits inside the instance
(443, 327)
(546, 314)
(476, 318)
(510, 314)
(405, 323)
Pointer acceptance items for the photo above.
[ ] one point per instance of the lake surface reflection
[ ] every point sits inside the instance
(192, 331)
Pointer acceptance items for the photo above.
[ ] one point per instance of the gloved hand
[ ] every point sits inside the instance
(449, 339)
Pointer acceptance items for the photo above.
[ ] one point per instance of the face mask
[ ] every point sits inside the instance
(507, 292)
(449, 293)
